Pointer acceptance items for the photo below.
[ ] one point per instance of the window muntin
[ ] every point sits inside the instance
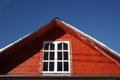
(56, 57)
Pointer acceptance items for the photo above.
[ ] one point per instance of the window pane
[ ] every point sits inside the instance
(45, 66)
(59, 56)
(45, 55)
(65, 55)
(60, 46)
(66, 66)
(51, 46)
(51, 55)
(65, 46)
(46, 46)
(51, 66)
(59, 66)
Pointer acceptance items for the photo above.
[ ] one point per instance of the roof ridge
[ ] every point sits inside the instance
(75, 29)
(56, 18)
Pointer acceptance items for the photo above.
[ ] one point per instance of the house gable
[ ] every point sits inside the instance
(87, 56)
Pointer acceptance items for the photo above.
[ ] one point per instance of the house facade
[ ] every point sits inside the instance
(59, 49)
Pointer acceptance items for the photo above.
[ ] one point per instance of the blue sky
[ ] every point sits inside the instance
(98, 18)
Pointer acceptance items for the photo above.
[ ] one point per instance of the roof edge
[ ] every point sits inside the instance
(93, 39)
(20, 39)
(72, 27)
(8, 46)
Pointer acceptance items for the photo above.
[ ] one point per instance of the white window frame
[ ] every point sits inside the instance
(55, 58)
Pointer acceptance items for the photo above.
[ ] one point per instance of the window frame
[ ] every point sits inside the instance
(55, 57)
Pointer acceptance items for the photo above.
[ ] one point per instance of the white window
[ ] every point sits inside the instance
(56, 57)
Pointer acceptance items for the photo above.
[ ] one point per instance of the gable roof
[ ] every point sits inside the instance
(102, 48)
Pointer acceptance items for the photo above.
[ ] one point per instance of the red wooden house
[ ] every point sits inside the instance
(59, 49)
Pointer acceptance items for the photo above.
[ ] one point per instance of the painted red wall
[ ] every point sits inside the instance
(88, 61)
(84, 59)
(30, 66)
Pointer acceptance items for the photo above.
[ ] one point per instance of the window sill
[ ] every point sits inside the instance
(56, 74)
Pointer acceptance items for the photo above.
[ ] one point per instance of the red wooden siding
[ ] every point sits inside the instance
(33, 65)
(88, 61)
(85, 60)
(30, 66)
